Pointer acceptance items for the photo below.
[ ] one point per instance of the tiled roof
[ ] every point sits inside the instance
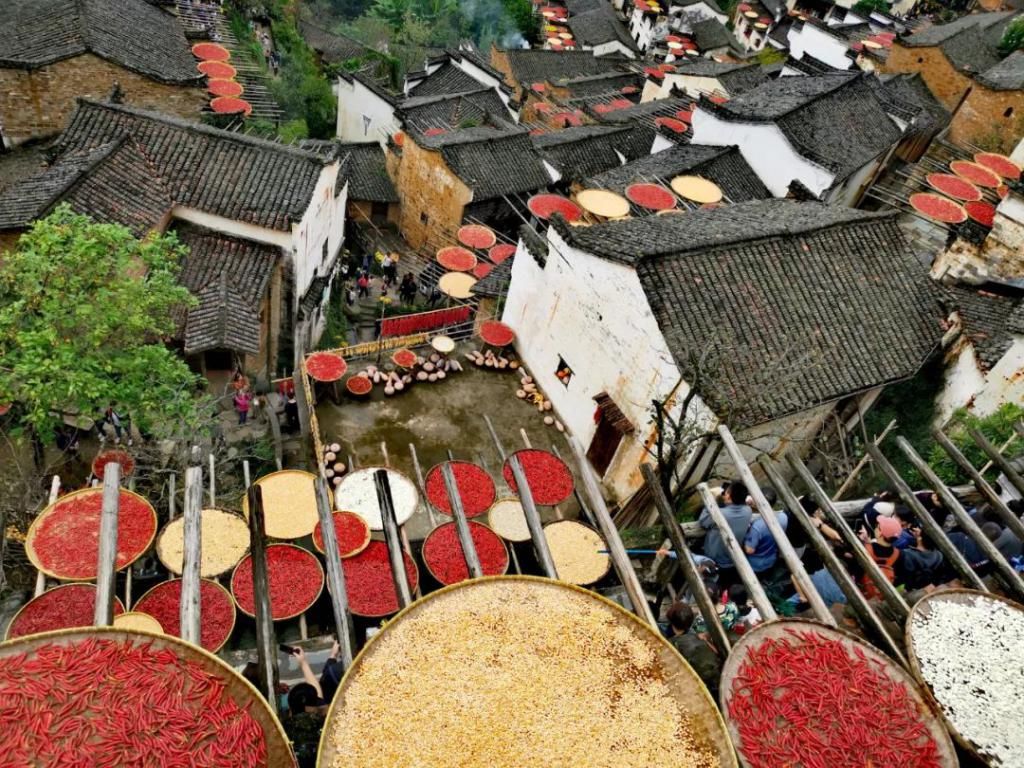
(130, 33)
(724, 166)
(645, 112)
(533, 65)
(368, 174)
(447, 79)
(490, 161)
(605, 84)
(799, 304)
(473, 56)
(974, 50)
(580, 152)
(220, 172)
(909, 96)
(990, 321)
(940, 33)
(834, 120)
(600, 26)
(229, 276)
(709, 3)
(455, 110)
(332, 46)
(1007, 75)
(497, 280)
(709, 34)
(583, 6)
(735, 77)
(371, 85)
(114, 183)
(809, 65)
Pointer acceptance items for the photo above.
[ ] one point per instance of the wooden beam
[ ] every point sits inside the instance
(300, 398)
(987, 491)
(868, 618)
(461, 523)
(998, 459)
(266, 645)
(891, 596)
(932, 528)
(684, 557)
(190, 610)
(575, 491)
(789, 555)
(392, 537)
(335, 576)
(1004, 570)
(623, 567)
(863, 462)
(494, 436)
(40, 576)
(106, 566)
(533, 521)
(419, 482)
(172, 500)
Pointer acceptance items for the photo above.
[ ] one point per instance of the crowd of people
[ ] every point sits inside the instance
(890, 532)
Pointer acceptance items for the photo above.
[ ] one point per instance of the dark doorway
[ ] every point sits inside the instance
(220, 360)
(604, 445)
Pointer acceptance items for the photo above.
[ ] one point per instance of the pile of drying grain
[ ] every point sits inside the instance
(515, 673)
(578, 551)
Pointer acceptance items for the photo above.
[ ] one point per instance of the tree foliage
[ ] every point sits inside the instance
(85, 311)
(301, 90)
(867, 6)
(997, 427)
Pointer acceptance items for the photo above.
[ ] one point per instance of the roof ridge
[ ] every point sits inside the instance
(201, 128)
(444, 96)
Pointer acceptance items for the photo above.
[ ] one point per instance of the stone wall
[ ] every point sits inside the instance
(992, 119)
(433, 199)
(946, 83)
(38, 102)
(999, 257)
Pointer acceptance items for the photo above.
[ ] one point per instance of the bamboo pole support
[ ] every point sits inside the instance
(739, 559)
(1002, 449)
(987, 491)
(469, 552)
(335, 576)
(685, 559)
(863, 462)
(106, 566)
(789, 555)
(932, 528)
(617, 550)
(190, 610)
(533, 521)
(40, 576)
(172, 490)
(213, 479)
(997, 458)
(246, 474)
(575, 491)
(494, 436)
(419, 482)
(1006, 572)
(266, 645)
(865, 613)
(891, 596)
(395, 550)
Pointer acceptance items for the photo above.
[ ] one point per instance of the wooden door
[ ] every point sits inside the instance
(603, 446)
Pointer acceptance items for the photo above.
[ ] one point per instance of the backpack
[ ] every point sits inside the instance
(888, 568)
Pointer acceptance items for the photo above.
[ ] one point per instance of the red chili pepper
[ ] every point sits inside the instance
(71, 605)
(369, 583)
(294, 579)
(216, 611)
(350, 530)
(476, 489)
(548, 476)
(442, 552)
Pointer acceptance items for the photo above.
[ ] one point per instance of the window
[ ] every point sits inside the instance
(920, 59)
(1008, 112)
(424, 218)
(563, 372)
(323, 255)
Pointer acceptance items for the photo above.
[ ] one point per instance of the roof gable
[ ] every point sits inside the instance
(447, 79)
(989, 321)
(534, 65)
(491, 162)
(579, 152)
(599, 27)
(1007, 75)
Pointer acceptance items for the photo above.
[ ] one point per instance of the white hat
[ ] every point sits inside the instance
(885, 508)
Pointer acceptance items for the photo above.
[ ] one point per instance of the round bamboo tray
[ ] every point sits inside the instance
(35, 602)
(779, 628)
(603, 203)
(289, 503)
(168, 629)
(450, 525)
(241, 691)
(457, 285)
(685, 689)
(357, 493)
(318, 541)
(503, 522)
(565, 560)
(282, 617)
(697, 189)
(33, 530)
(232, 542)
(922, 608)
(138, 621)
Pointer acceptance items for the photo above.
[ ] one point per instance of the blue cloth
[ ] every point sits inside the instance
(905, 540)
(738, 516)
(827, 588)
(760, 539)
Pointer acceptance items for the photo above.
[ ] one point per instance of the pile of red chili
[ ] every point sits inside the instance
(808, 701)
(326, 366)
(350, 529)
(216, 611)
(369, 583)
(121, 457)
(294, 578)
(106, 703)
(548, 476)
(64, 540)
(442, 552)
(71, 605)
(476, 489)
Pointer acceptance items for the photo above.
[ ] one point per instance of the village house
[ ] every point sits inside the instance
(54, 51)
(366, 110)
(829, 133)
(963, 67)
(572, 154)
(457, 71)
(523, 67)
(779, 312)
(755, 22)
(264, 221)
(600, 30)
(331, 47)
(459, 175)
(648, 24)
(705, 77)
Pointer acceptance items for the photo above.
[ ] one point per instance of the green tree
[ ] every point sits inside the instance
(1013, 37)
(86, 310)
(867, 6)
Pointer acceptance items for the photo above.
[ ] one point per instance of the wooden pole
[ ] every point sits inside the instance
(575, 491)
(40, 576)
(494, 436)
(266, 645)
(213, 479)
(300, 398)
(461, 523)
(533, 522)
(172, 491)
(685, 559)
(987, 491)
(932, 528)
(1004, 570)
(526, 438)
(1003, 448)
(891, 596)
(335, 576)
(998, 459)
(190, 610)
(419, 482)
(106, 566)
(246, 474)
(868, 618)
(863, 462)
(395, 550)
(275, 431)
(739, 559)
(789, 555)
(620, 559)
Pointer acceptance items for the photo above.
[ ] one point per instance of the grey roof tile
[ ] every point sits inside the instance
(990, 321)
(1007, 75)
(736, 77)
(709, 34)
(368, 174)
(535, 65)
(447, 79)
(490, 161)
(582, 151)
(940, 33)
(454, 110)
(333, 47)
(131, 33)
(600, 26)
